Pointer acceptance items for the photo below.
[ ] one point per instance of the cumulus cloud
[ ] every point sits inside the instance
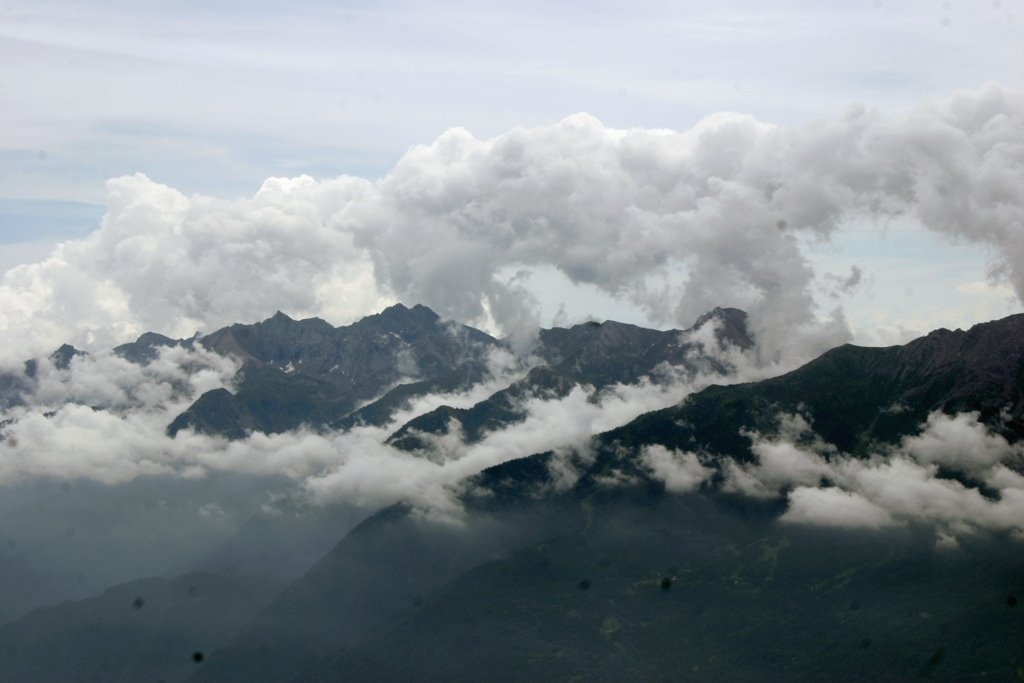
(165, 262)
(722, 208)
(676, 222)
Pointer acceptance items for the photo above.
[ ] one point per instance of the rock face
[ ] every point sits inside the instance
(591, 356)
(307, 372)
(610, 352)
(145, 348)
(856, 397)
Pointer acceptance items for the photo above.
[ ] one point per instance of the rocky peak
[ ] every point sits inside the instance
(144, 349)
(61, 358)
(732, 328)
(399, 318)
(154, 339)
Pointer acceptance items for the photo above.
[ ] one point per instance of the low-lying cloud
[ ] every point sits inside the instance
(898, 485)
(104, 418)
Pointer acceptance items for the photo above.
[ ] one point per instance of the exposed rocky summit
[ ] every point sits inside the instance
(307, 372)
(591, 356)
(298, 372)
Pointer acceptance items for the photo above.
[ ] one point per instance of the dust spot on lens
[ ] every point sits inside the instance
(1011, 600)
(855, 605)
(197, 657)
(584, 584)
(138, 602)
(865, 643)
(193, 591)
(666, 584)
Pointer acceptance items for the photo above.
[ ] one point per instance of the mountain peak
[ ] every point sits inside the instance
(725, 314)
(400, 312)
(154, 338)
(62, 356)
(732, 328)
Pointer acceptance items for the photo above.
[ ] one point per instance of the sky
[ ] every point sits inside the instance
(146, 138)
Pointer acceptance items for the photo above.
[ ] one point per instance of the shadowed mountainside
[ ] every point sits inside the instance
(598, 583)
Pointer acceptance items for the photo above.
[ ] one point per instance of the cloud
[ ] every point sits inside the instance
(898, 485)
(376, 474)
(834, 507)
(165, 262)
(681, 471)
(780, 461)
(847, 284)
(960, 442)
(722, 207)
(104, 419)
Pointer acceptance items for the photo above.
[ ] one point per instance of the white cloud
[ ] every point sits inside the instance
(681, 471)
(834, 507)
(782, 459)
(960, 442)
(107, 420)
(899, 485)
(728, 202)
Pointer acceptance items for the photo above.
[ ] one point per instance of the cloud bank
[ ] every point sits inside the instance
(104, 419)
(676, 222)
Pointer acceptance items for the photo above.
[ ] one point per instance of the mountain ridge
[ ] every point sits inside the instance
(532, 608)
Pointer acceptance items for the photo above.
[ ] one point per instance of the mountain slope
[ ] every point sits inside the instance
(381, 569)
(299, 372)
(148, 629)
(622, 581)
(857, 396)
(591, 356)
(682, 590)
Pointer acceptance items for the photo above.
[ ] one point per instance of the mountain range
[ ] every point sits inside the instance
(643, 553)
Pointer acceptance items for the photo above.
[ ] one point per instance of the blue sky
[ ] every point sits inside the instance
(212, 98)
